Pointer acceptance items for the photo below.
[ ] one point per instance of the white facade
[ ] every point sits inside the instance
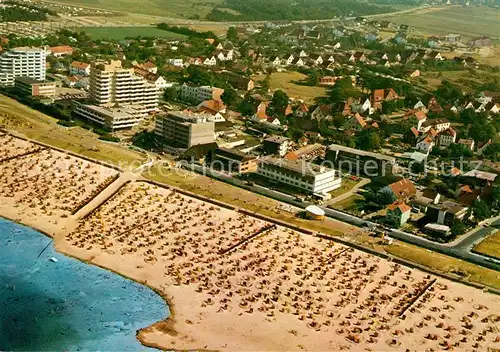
(111, 84)
(199, 94)
(126, 116)
(176, 62)
(77, 68)
(308, 177)
(22, 62)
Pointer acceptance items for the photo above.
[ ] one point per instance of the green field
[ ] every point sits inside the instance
(120, 33)
(466, 21)
(170, 8)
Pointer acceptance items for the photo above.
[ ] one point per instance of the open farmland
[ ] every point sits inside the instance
(120, 33)
(286, 82)
(173, 8)
(466, 21)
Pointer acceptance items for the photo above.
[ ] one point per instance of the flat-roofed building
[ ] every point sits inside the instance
(113, 117)
(356, 161)
(308, 177)
(35, 88)
(22, 62)
(234, 161)
(198, 94)
(111, 83)
(185, 128)
(276, 145)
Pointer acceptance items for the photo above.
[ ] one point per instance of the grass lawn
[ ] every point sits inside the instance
(351, 204)
(490, 246)
(175, 8)
(465, 79)
(444, 263)
(347, 185)
(33, 124)
(284, 81)
(120, 33)
(469, 22)
(240, 198)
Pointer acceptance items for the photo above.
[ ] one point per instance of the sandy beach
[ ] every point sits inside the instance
(235, 282)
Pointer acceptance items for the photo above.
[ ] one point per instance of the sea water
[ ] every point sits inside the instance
(66, 305)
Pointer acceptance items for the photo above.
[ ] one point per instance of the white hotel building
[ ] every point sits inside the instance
(311, 178)
(119, 98)
(22, 62)
(112, 84)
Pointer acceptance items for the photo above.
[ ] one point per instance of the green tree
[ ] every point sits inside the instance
(481, 210)
(232, 34)
(417, 168)
(457, 228)
(280, 100)
(368, 139)
(229, 97)
(170, 94)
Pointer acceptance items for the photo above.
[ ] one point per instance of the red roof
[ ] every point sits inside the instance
(360, 120)
(404, 208)
(61, 49)
(78, 64)
(403, 188)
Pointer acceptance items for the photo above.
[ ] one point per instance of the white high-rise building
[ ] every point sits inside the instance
(22, 62)
(110, 83)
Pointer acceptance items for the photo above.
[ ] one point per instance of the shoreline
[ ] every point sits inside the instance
(274, 288)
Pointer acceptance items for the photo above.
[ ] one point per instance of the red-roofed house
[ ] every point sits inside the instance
(302, 110)
(417, 117)
(398, 213)
(59, 51)
(79, 68)
(425, 145)
(355, 122)
(381, 95)
(447, 137)
(403, 189)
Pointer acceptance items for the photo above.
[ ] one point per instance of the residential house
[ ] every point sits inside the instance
(446, 213)
(438, 125)
(425, 145)
(276, 61)
(322, 112)
(415, 74)
(298, 62)
(434, 55)
(176, 62)
(302, 110)
(288, 59)
(480, 42)
(491, 107)
(239, 82)
(398, 213)
(447, 137)
(416, 117)
(210, 61)
(77, 68)
(401, 190)
(316, 59)
(148, 66)
(356, 122)
(481, 146)
(357, 56)
(363, 107)
(433, 105)
(212, 107)
(425, 198)
(411, 136)
(328, 80)
(468, 143)
(60, 51)
(381, 95)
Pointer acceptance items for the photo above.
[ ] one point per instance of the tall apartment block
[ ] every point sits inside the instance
(112, 84)
(22, 62)
(185, 129)
(119, 98)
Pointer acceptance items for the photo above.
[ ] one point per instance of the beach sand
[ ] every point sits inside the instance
(235, 282)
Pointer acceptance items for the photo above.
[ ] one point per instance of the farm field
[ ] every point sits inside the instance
(285, 82)
(120, 33)
(466, 21)
(490, 246)
(466, 79)
(172, 8)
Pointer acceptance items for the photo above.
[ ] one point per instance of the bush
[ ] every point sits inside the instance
(108, 137)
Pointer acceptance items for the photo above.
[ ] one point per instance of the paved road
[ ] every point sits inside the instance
(460, 251)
